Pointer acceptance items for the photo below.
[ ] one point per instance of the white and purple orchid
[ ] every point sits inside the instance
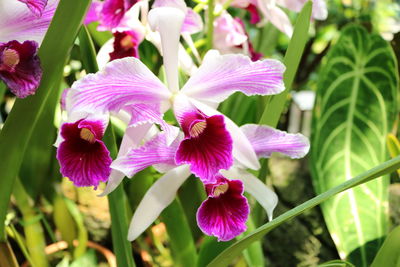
(271, 11)
(23, 25)
(230, 36)
(210, 146)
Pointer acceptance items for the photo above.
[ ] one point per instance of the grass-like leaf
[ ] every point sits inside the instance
(19, 125)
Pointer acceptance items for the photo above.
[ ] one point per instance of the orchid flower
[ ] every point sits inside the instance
(210, 141)
(131, 31)
(225, 211)
(271, 11)
(21, 33)
(230, 36)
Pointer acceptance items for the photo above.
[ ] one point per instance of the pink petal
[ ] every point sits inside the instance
(20, 67)
(153, 152)
(192, 23)
(83, 157)
(18, 23)
(36, 6)
(224, 213)
(228, 34)
(151, 114)
(113, 12)
(207, 146)
(277, 17)
(94, 12)
(221, 75)
(122, 81)
(266, 140)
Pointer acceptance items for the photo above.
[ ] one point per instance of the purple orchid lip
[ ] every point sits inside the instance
(207, 146)
(126, 44)
(20, 67)
(83, 157)
(224, 213)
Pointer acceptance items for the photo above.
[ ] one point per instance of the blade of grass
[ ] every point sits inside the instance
(116, 200)
(180, 235)
(19, 125)
(229, 254)
(274, 107)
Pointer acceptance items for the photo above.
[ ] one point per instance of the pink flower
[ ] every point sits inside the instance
(22, 31)
(225, 211)
(20, 67)
(83, 157)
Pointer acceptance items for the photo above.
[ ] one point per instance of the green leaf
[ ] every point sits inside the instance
(389, 254)
(336, 263)
(19, 125)
(210, 249)
(275, 104)
(355, 110)
(180, 235)
(225, 258)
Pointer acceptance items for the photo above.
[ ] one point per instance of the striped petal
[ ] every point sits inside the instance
(17, 22)
(221, 75)
(121, 82)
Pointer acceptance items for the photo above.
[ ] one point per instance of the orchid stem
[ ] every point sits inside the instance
(210, 25)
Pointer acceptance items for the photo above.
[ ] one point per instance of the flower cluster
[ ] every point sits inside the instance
(23, 24)
(207, 144)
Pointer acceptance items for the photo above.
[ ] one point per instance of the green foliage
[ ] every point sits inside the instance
(19, 125)
(275, 104)
(355, 110)
(225, 258)
(389, 254)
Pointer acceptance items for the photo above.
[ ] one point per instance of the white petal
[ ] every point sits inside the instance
(156, 199)
(168, 22)
(264, 195)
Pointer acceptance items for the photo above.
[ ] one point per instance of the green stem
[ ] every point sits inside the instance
(34, 235)
(2, 91)
(210, 24)
(7, 257)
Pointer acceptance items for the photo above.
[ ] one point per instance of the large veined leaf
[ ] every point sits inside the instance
(355, 110)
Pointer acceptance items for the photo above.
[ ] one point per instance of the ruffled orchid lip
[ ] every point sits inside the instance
(20, 67)
(83, 157)
(207, 146)
(224, 213)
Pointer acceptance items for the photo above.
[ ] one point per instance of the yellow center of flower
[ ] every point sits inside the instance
(10, 58)
(87, 135)
(221, 189)
(198, 128)
(126, 42)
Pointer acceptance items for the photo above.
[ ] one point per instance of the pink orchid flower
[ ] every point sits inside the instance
(22, 31)
(210, 141)
(272, 12)
(230, 36)
(225, 196)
